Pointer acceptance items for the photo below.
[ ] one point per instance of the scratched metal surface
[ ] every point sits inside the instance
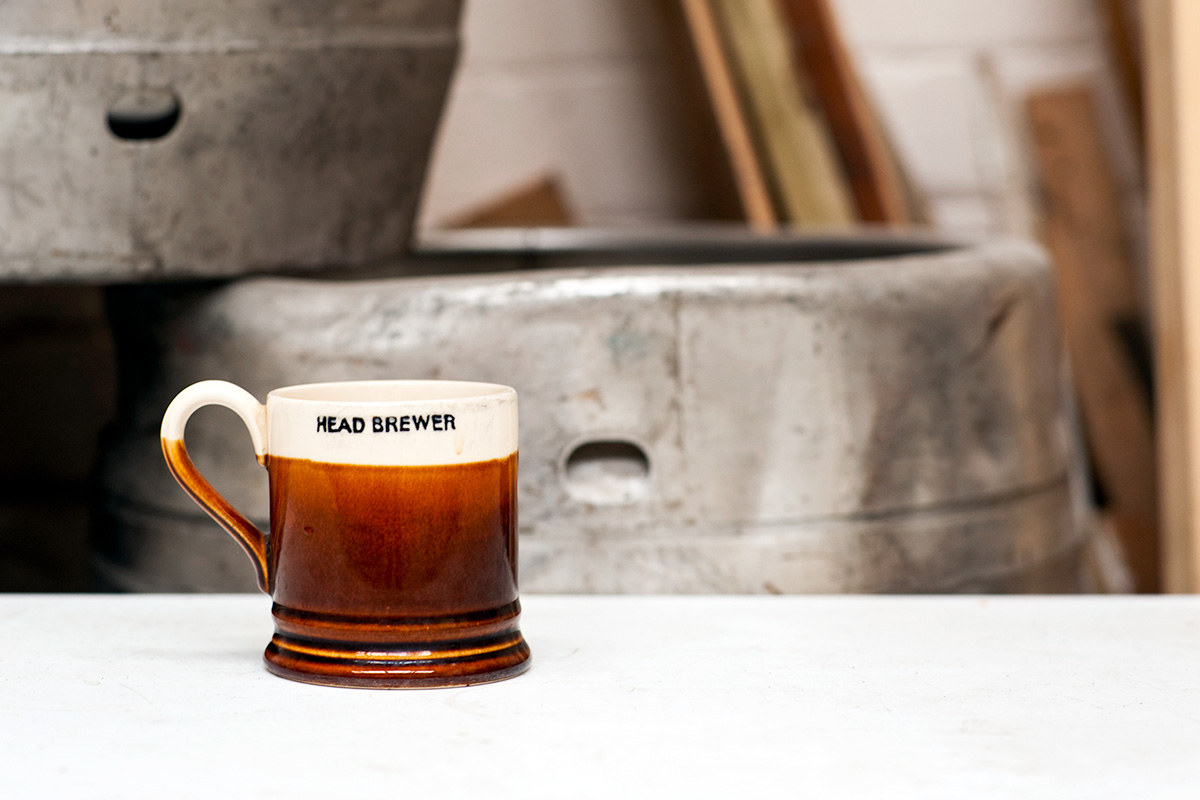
(302, 137)
(792, 415)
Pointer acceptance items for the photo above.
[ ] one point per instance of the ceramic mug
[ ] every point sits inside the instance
(392, 553)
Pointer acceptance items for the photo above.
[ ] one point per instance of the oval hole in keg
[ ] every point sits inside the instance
(608, 472)
(142, 115)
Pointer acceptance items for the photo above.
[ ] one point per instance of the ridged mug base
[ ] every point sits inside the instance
(397, 654)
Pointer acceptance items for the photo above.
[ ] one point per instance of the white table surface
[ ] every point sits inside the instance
(165, 697)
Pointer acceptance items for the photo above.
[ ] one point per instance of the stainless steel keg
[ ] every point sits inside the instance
(700, 412)
(159, 138)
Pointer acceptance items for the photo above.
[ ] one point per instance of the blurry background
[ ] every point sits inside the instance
(592, 94)
(595, 113)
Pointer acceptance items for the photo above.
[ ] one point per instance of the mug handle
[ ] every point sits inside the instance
(254, 414)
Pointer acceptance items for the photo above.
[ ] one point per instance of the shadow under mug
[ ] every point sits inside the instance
(392, 554)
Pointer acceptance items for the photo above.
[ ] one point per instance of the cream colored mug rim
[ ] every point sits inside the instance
(389, 392)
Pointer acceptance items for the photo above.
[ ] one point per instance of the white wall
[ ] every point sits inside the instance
(950, 78)
(583, 88)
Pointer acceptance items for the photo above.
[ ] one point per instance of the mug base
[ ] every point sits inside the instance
(370, 652)
(369, 675)
(395, 666)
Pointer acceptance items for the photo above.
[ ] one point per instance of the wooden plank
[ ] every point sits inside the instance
(539, 202)
(867, 160)
(713, 194)
(1083, 229)
(731, 120)
(1172, 48)
(802, 165)
(1123, 46)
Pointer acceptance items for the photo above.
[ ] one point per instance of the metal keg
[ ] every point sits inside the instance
(700, 411)
(159, 138)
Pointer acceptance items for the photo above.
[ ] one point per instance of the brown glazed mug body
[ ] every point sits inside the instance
(392, 553)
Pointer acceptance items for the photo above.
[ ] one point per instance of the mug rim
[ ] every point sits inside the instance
(422, 391)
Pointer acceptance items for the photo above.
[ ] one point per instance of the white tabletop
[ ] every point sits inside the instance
(166, 697)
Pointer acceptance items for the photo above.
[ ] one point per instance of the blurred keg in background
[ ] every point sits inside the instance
(701, 411)
(156, 139)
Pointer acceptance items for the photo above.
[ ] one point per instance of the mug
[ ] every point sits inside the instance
(392, 553)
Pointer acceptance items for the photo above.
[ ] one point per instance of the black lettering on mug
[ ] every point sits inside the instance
(436, 422)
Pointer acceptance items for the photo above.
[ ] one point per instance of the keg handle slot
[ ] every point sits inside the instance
(254, 414)
(141, 115)
(607, 472)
